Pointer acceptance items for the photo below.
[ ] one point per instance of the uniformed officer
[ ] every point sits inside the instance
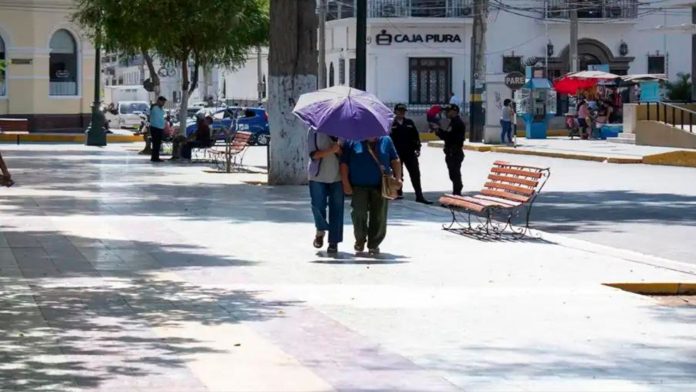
(454, 146)
(405, 136)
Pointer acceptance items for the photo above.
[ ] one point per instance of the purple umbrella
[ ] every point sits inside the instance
(345, 113)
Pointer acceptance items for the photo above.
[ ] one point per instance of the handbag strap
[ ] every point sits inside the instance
(374, 156)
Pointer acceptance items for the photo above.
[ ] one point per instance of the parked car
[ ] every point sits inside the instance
(126, 114)
(254, 120)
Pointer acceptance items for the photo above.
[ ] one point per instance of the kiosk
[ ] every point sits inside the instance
(536, 103)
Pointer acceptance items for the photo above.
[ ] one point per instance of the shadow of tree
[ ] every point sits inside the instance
(71, 320)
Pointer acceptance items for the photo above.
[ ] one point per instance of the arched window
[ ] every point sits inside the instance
(63, 64)
(331, 75)
(3, 66)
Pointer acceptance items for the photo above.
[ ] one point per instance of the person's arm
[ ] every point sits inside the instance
(319, 154)
(415, 138)
(345, 179)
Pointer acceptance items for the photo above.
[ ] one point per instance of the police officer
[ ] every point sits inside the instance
(454, 146)
(405, 136)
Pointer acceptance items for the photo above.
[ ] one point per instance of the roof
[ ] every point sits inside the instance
(538, 83)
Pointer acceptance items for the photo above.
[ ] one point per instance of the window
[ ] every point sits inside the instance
(430, 80)
(341, 72)
(331, 75)
(63, 64)
(656, 64)
(3, 66)
(351, 72)
(512, 63)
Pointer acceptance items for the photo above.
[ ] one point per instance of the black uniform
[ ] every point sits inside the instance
(408, 145)
(454, 151)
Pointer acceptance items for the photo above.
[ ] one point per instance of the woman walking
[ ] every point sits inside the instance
(506, 122)
(325, 189)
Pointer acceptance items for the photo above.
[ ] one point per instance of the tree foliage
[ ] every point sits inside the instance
(203, 32)
(680, 90)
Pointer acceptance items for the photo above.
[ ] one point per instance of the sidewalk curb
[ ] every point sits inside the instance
(65, 138)
(681, 158)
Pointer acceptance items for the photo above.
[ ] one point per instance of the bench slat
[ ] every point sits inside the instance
(507, 187)
(513, 180)
(508, 164)
(488, 202)
(459, 202)
(503, 202)
(515, 172)
(505, 195)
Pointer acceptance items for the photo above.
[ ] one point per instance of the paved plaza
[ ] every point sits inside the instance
(121, 275)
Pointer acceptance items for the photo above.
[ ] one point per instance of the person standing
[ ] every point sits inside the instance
(433, 117)
(362, 165)
(406, 139)
(157, 128)
(325, 189)
(506, 122)
(454, 146)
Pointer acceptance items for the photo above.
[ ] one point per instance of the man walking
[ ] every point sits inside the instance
(157, 128)
(408, 145)
(454, 146)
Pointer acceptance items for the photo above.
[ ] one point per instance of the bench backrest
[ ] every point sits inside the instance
(517, 183)
(240, 141)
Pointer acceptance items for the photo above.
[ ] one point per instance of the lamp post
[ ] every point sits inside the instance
(96, 136)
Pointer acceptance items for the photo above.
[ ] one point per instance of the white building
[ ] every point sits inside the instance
(245, 84)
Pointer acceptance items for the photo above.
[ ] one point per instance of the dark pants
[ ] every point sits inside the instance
(331, 196)
(506, 131)
(369, 216)
(454, 158)
(156, 134)
(188, 146)
(410, 161)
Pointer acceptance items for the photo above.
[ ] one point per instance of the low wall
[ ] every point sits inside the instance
(14, 125)
(653, 133)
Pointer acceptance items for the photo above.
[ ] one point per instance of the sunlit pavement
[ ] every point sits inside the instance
(121, 275)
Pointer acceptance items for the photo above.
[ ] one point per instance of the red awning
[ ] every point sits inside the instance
(566, 85)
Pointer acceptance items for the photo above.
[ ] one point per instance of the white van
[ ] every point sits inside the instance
(126, 114)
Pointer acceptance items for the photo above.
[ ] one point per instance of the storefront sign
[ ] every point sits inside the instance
(22, 61)
(384, 38)
(515, 80)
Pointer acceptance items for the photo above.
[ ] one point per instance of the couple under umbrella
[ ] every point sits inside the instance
(352, 154)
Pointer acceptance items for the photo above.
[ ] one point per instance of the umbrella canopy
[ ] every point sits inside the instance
(572, 82)
(345, 112)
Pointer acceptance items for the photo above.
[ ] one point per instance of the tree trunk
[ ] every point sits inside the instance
(183, 108)
(292, 72)
(154, 77)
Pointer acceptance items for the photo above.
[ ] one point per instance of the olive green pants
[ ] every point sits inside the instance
(369, 216)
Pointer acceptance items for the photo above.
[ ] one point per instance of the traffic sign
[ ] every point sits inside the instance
(515, 80)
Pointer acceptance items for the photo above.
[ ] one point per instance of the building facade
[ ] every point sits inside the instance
(47, 75)
(419, 51)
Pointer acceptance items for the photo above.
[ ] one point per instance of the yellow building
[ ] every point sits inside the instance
(48, 74)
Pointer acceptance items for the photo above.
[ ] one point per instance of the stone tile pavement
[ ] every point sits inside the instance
(119, 275)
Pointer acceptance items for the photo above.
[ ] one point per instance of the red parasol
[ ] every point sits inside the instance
(571, 83)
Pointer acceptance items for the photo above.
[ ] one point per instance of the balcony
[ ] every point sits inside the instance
(594, 9)
(340, 9)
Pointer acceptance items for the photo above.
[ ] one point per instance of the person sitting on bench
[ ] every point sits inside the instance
(200, 139)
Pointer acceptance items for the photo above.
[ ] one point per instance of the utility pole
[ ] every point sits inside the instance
(693, 56)
(95, 134)
(259, 75)
(573, 52)
(361, 45)
(477, 117)
(322, 43)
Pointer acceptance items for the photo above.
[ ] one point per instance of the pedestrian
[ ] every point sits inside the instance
(363, 164)
(157, 128)
(200, 139)
(584, 118)
(6, 179)
(454, 99)
(325, 189)
(454, 147)
(433, 117)
(406, 139)
(506, 122)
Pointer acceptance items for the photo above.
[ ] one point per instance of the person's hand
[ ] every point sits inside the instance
(401, 183)
(347, 189)
(418, 153)
(336, 148)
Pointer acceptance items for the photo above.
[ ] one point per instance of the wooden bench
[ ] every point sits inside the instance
(15, 127)
(233, 152)
(507, 196)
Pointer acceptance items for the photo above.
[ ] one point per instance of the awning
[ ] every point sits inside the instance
(643, 77)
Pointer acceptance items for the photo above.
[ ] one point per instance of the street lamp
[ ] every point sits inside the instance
(96, 136)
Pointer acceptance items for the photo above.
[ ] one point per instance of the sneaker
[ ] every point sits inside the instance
(422, 200)
(319, 240)
(374, 252)
(359, 247)
(332, 249)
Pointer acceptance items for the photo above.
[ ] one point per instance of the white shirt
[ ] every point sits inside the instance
(455, 100)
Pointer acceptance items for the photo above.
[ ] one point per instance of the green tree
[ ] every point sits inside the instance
(192, 33)
(680, 90)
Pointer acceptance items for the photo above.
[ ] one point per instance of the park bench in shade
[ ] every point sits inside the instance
(506, 199)
(233, 153)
